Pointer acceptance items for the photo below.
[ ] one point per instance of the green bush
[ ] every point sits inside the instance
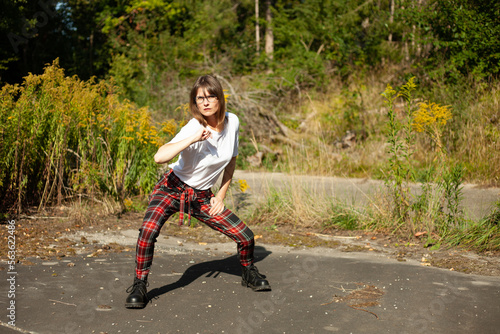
(65, 137)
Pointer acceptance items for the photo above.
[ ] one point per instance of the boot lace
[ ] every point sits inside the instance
(139, 284)
(254, 272)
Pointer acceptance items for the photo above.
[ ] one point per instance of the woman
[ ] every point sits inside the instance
(207, 146)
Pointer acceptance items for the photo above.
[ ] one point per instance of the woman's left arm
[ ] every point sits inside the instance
(217, 202)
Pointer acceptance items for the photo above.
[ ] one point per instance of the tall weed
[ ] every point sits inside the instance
(437, 208)
(400, 149)
(63, 137)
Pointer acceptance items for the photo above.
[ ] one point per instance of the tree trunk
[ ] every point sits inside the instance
(419, 46)
(269, 47)
(391, 20)
(257, 28)
(406, 49)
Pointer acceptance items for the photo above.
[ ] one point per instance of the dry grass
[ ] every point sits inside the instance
(321, 120)
(479, 143)
(292, 206)
(89, 212)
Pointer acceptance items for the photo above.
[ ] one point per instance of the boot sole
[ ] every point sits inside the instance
(258, 288)
(135, 305)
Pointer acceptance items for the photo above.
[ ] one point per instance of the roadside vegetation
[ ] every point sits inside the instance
(371, 89)
(64, 139)
(434, 216)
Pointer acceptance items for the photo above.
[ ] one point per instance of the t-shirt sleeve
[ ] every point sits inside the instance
(187, 130)
(237, 136)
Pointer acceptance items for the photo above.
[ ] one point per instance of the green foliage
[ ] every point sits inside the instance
(464, 34)
(483, 235)
(165, 40)
(342, 218)
(63, 137)
(244, 151)
(451, 183)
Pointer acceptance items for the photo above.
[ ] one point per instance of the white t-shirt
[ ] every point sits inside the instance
(201, 163)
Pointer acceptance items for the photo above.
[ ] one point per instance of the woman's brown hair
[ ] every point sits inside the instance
(213, 87)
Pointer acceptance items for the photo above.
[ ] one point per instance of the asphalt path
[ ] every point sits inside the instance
(197, 289)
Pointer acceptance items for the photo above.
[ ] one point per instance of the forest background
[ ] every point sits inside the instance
(91, 88)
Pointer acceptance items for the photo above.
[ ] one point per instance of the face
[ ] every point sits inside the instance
(207, 103)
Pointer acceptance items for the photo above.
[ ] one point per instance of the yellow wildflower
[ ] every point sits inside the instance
(429, 116)
(128, 203)
(169, 127)
(243, 185)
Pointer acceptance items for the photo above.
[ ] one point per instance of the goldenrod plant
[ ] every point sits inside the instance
(437, 208)
(63, 137)
(400, 149)
(431, 119)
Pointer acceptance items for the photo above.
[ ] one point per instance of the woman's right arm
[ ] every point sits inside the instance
(168, 151)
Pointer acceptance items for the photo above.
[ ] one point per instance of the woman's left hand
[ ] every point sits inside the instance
(216, 206)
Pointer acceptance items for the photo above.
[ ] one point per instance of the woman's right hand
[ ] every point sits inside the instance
(168, 151)
(202, 134)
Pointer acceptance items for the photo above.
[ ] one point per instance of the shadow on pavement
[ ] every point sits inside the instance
(229, 265)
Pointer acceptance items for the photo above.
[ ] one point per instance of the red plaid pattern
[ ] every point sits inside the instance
(167, 198)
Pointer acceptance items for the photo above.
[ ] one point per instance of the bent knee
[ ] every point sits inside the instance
(148, 233)
(248, 236)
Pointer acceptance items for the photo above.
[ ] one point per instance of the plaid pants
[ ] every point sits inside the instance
(168, 197)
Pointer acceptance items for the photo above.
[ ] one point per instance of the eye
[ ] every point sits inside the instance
(209, 98)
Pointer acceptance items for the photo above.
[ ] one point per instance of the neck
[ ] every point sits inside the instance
(217, 128)
(212, 123)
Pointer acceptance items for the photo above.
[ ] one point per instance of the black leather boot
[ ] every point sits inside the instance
(138, 297)
(250, 277)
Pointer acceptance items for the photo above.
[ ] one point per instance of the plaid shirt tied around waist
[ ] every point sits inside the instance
(183, 192)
